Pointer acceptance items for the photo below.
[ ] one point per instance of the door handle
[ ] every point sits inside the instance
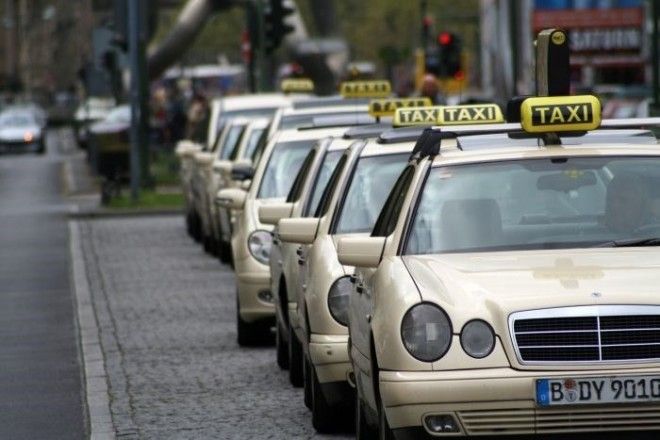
(359, 287)
(301, 261)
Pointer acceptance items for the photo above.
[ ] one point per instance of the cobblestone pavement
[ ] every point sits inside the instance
(166, 313)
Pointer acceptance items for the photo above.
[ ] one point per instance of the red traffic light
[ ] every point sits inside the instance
(445, 38)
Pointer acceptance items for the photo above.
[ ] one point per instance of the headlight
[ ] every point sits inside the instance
(477, 339)
(338, 298)
(28, 136)
(259, 244)
(426, 332)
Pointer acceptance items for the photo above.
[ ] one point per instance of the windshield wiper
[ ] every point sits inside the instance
(632, 242)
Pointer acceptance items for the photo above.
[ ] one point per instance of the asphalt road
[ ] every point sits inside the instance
(40, 376)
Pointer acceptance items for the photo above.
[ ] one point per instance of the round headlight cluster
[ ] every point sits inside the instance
(426, 332)
(338, 298)
(477, 339)
(260, 243)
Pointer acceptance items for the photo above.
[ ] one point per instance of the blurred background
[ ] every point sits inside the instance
(73, 59)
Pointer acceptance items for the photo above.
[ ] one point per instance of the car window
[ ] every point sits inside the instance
(366, 192)
(252, 142)
(321, 181)
(389, 215)
(283, 165)
(537, 204)
(231, 141)
(329, 190)
(299, 182)
(226, 116)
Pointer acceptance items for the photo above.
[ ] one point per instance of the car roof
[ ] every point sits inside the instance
(324, 110)
(303, 135)
(325, 101)
(245, 102)
(375, 148)
(258, 123)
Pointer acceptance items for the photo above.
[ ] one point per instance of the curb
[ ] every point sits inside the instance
(118, 213)
(96, 380)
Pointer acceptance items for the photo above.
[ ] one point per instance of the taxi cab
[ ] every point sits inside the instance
(205, 182)
(285, 258)
(241, 155)
(251, 241)
(222, 111)
(350, 207)
(509, 286)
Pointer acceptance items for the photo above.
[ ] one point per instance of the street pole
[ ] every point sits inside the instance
(513, 29)
(262, 81)
(138, 96)
(655, 55)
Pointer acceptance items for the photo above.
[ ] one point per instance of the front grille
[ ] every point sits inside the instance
(559, 421)
(597, 334)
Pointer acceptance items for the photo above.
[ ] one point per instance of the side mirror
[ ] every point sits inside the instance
(300, 230)
(231, 198)
(360, 251)
(204, 158)
(242, 172)
(271, 214)
(222, 167)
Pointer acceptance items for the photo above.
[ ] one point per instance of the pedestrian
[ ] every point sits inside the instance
(431, 89)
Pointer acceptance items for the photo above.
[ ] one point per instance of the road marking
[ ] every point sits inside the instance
(96, 378)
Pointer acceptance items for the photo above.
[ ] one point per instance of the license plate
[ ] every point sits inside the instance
(595, 390)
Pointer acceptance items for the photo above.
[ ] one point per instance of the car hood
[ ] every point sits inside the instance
(499, 283)
(17, 133)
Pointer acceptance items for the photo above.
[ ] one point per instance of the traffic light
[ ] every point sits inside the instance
(275, 28)
(449, 60)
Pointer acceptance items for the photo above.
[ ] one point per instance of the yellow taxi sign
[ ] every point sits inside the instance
(449, 115)
(297, 85)
(365, 89)
(387, 107)
(551, 114)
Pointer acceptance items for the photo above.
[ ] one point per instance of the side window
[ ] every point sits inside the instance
(326, 198)
(299, 183)
(263, 142)
(390, 214)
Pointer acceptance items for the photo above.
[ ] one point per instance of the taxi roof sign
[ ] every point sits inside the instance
(297, 85)
(560, 114)
(365, 89)
(387, 107)
(449, 115)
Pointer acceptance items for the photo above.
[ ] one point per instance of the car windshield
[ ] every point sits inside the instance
(16, 120)
(537, 204)
(253, 141)
(119, 114)
(367, 191)
(231, 140)
(282, 168)
(327, 167)
(254, 113)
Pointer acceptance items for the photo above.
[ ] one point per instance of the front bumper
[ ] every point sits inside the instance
(329, 355)
(502, 401)
(250, 284)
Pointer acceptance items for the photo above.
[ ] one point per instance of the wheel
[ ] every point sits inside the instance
(307, 381)
(197, 228)
(281, 348)
(42, 147)
(323, 416)
(252, 334)
(384, 430)
(207, 243)
(363, 431)
(189, 226)
(295, 360)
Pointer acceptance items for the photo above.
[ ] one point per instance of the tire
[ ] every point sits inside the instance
(207, 242)
(295, 360)
(307, 381)
(384, 430)
(281, 349)
(252, 334)
(323, 416)
(363, 431)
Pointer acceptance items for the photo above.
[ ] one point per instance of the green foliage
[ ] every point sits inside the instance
(148, 200)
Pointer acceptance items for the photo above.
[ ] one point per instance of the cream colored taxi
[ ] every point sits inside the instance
(350, 208)
(510, 287)
(286, 258)
(241, 155)
(251, 242)
(201, 158)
